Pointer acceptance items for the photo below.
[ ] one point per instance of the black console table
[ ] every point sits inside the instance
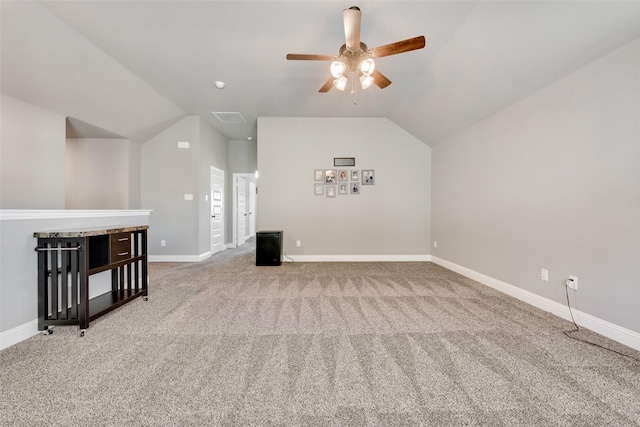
(66, 259)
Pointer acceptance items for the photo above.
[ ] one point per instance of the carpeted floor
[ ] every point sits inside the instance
(224, 342)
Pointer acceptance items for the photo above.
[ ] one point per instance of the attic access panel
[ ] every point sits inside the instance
(229, 117)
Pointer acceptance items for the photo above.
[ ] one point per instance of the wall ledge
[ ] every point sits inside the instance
(28, 214)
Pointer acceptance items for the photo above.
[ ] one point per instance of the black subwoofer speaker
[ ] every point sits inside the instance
(268, 248)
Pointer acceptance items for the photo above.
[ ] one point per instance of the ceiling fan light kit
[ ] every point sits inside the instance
(337, 68)
(340, 83)
(366, 81)
(367, 66)
(355, 59)
(359, 62)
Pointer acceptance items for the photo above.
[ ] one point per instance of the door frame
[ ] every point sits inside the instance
(218, 172)
(250, 177)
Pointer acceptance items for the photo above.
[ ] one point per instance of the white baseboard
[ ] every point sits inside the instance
(355, 258)
(19, 333)
(179, 258)
(617, 333)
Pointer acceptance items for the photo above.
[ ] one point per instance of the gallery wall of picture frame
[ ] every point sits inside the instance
(341, 182)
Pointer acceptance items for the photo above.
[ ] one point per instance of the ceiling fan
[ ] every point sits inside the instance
(355, 58)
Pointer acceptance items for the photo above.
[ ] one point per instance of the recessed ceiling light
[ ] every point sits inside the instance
(219, 84)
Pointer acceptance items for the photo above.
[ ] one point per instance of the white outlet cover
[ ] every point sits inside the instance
(188, 196)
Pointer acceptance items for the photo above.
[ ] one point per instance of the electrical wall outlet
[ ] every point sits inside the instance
(435, 244)
(298, 243)
(573, 283)
(163, 243)
(544, 274)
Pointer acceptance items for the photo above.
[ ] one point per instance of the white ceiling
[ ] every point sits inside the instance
(480, 56)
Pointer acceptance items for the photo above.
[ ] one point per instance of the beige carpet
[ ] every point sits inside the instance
(224, 342)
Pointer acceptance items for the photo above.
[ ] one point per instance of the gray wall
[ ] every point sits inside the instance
(168, 173)
(390, 218)
(135, 151)
(32, 157)
(552, 182)
(243, 156)
(43, 169)
(97, 173)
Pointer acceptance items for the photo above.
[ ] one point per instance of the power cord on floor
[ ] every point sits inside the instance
(288, 257)
(577, 329)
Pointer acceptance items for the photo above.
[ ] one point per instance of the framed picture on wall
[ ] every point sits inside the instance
(368, 177)
(343, 188)
(344, 161)
(331, 191)
(355, 175)
(355, 188)
(318, 175)
(318, 189)
(330, 176)
(343, 175)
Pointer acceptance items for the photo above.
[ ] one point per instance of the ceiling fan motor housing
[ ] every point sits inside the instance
(353, 58)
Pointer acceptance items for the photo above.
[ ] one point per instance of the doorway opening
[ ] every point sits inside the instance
(244, 207)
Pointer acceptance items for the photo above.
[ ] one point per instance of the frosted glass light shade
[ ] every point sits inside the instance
(340, 83)
(337, 69)
(367, 66)
(366, 81)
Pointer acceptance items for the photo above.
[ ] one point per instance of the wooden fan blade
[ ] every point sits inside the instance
(352, 18)
(398, 47)
(306, 57)
(327, 86)
(380, 80)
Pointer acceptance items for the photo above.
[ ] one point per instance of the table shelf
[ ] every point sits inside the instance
(67, 259)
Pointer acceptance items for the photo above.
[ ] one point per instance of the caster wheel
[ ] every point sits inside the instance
(81, 333)
(145, 298)
(49, 331)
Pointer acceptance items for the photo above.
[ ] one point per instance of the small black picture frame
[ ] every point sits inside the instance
(344, 161)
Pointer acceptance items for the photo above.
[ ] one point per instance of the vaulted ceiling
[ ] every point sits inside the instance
(480, 57)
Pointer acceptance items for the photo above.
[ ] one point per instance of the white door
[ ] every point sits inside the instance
(252, 209)
(241, 188)
(217, 210)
